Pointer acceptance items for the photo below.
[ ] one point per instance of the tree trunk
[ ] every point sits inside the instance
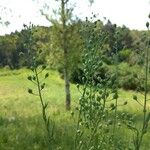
(65, 49)
(67, 89)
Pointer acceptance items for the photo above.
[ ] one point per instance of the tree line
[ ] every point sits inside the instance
(47, 46)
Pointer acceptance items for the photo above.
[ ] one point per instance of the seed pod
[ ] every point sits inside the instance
(147, 24)
(125, 103)
(34, 78)
(135, 97)
(78, 86)
(43, 67)
(46, 75)
(30, 78)
(30, 91)
(115, 96)
(72, 113)
(42, 86)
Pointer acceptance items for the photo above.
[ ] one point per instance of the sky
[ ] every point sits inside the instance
(131, 13)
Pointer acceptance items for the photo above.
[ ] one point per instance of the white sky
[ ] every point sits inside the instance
(132, 13)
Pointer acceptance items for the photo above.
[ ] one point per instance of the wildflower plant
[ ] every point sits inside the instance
(139, 132)
(39, 83)
(99, 96)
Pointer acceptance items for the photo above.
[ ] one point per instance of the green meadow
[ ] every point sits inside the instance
(21, 124)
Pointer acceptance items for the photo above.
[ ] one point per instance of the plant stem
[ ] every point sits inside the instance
(46, 120)
(139, 139)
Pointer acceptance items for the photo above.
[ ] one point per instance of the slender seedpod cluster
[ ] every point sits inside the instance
(39, 83)
(98, 118)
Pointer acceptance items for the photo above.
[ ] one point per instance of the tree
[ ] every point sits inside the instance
(65, 38)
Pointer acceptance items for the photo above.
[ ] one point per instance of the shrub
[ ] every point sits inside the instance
(124, 54)
(130, 82)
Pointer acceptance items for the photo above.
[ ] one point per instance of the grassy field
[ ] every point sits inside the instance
(21, 125)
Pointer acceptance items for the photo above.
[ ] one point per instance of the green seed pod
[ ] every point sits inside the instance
(125, 103)
(115, 96)
(72, 113)
(46, 75)
(43, 67)
(78, 86)
(30, 91)
(147, 24)
(30, 78)
(98, 98)
(135, 97)
(42, 86)
(34, 78)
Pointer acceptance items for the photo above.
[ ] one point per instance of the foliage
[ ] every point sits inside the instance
(97, 119)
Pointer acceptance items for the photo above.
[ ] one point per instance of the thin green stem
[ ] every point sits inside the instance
(46, 120)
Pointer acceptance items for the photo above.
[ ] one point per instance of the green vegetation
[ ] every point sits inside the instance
(105, 70)
(21, 124)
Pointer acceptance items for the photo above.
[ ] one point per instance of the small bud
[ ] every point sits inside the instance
(115, 96)
(147, 24)
(43, 67)
(29, 78)
(149, 16)
(125, 103)
(34, 78)
(135, 97)
(24, 25)
(78, 86)
(46, 75)
(30, 91)
(72, 113)
(42, 86)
